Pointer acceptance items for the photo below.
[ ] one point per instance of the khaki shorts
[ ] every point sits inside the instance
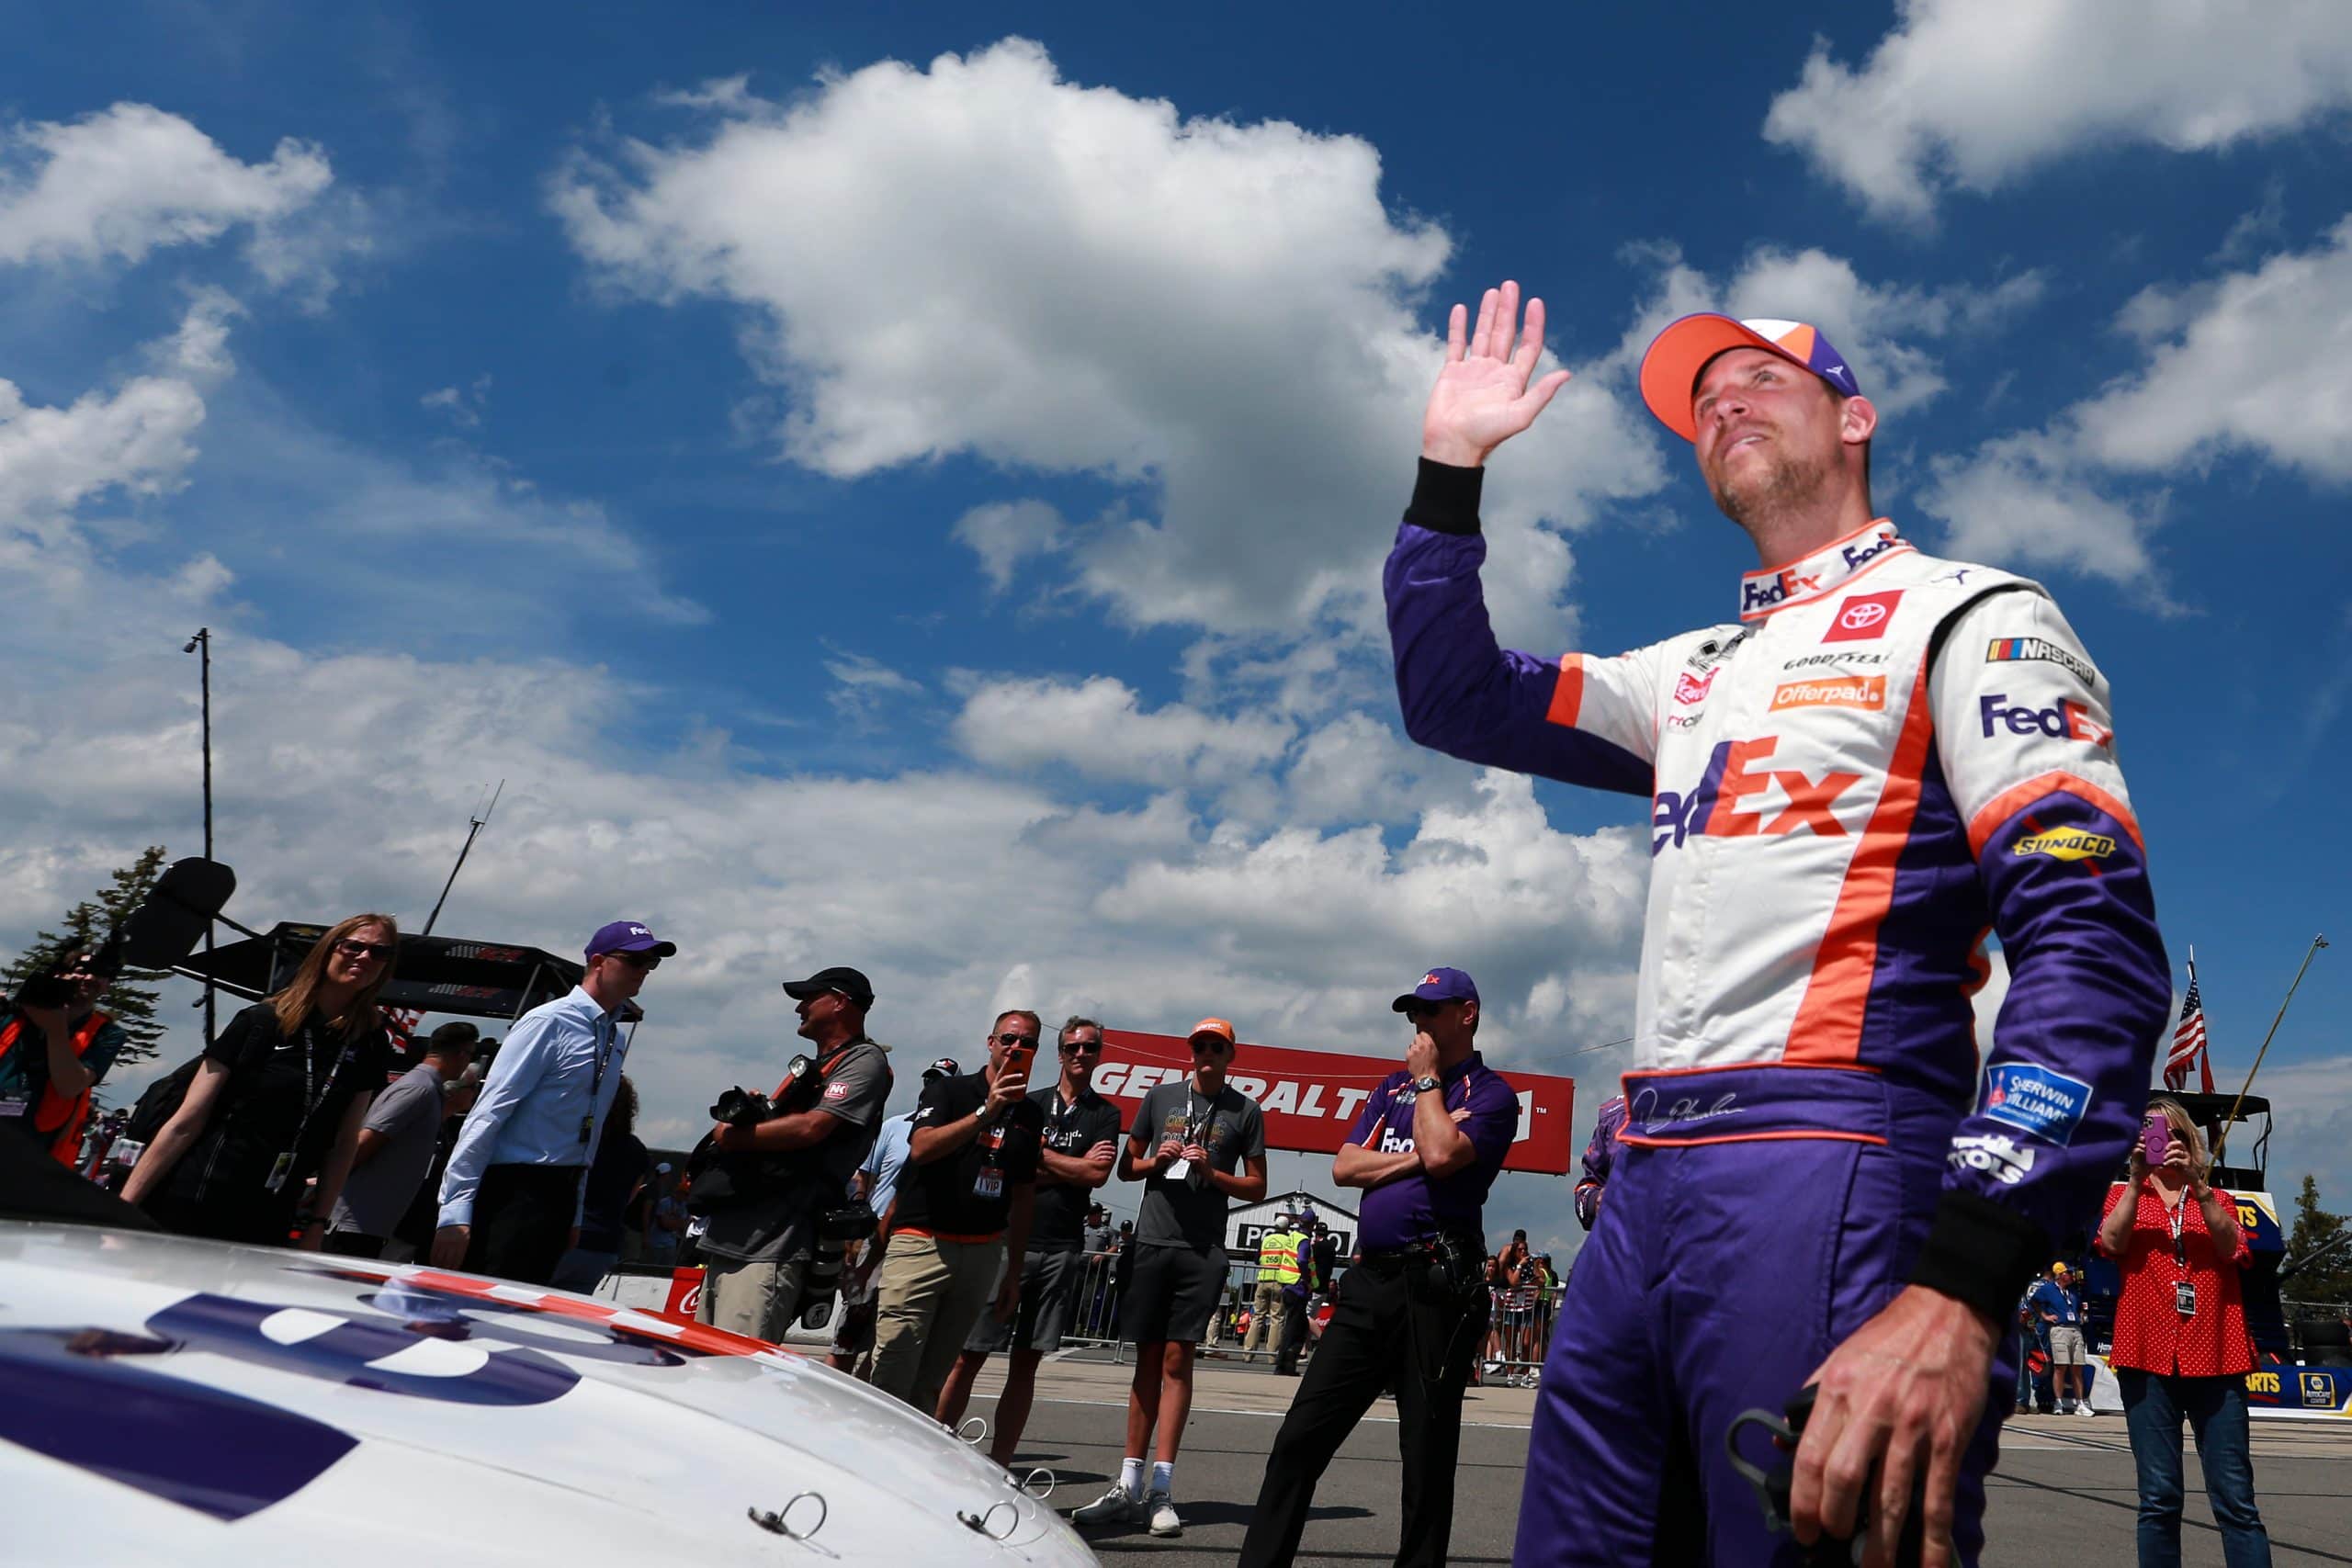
(2067, 1346)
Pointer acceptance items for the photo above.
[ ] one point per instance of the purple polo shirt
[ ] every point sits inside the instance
(1416, 1207)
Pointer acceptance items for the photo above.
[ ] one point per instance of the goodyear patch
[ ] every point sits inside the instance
(2065, 843)
(2036, 1100)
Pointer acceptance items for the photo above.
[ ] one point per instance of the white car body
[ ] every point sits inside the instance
(166, 1400)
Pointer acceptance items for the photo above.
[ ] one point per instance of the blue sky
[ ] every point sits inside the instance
(906, 487)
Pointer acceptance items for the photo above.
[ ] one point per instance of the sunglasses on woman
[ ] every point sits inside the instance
(381, 952)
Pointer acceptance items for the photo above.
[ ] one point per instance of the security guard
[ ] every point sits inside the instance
(1425, 1149)
(1277, 1271)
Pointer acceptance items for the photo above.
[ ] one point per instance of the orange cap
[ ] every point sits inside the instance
(1216, 1026)
(1670, 369)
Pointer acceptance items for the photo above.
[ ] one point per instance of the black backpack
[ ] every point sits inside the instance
(159, 1101)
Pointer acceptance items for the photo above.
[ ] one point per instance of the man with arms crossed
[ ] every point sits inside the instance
(1885, 757)
(1081, 1136)
(1196, 1145)
(1425, 1149)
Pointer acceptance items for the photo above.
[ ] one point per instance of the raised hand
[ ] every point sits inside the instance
(1483, 398)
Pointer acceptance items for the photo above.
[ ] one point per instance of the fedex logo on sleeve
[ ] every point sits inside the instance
(2066, 720)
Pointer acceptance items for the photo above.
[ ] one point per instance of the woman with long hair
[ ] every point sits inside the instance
(277, 1098)
(2181, 1348)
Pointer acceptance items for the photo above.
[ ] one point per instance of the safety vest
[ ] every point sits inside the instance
(1278, 1256)
(53, 1112)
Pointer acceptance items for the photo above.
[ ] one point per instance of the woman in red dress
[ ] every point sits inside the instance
(2181, 1347)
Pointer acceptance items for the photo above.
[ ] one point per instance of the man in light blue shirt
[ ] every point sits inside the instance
(511, 1198)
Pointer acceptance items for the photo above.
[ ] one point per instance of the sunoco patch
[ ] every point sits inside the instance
(2035, 1099)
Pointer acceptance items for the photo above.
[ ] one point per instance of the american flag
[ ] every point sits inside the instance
(2188, 1041)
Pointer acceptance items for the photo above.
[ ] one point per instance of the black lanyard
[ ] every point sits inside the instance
(602, 1048)
(310, 1053)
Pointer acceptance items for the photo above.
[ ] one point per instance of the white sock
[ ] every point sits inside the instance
(1163, 1476)
(1131, 1477)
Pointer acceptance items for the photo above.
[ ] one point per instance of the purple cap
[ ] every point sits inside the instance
(628, 936)
(1440, 986)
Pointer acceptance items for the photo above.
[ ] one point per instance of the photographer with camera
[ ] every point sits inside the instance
(771, 1181)
(964, 1206)
(54, 1047)
(1426, 1149)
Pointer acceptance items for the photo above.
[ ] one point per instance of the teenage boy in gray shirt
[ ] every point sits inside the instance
(1197, 1145)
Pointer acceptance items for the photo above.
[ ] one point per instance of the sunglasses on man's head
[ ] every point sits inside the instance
(1015, 1042)
(1425, 1010)
(638, 960)
(1074, 1046)
(379, 950)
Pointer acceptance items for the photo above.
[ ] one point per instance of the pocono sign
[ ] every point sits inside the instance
(1312, 1098)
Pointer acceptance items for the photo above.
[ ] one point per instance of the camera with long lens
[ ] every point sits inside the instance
(836, 1229)
(742, 1108)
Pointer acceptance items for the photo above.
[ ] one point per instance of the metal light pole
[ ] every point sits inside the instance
(202, 643)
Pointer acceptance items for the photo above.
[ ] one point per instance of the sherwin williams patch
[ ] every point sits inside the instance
(2035, 1099)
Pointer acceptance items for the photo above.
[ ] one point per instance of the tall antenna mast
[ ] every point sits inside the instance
(474, 826)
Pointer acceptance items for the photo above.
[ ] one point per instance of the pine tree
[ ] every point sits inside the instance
(2330, 1278)
(130, 1000)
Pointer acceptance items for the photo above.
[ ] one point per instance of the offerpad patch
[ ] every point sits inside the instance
(1862, 616)
(1832, 691)
(2035, 1099)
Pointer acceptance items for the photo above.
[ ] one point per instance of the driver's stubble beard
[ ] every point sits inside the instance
(1787, 488)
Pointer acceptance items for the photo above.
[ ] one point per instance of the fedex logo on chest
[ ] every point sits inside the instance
(1741, 793)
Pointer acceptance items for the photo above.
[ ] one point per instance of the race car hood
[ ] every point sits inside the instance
(191, 1402)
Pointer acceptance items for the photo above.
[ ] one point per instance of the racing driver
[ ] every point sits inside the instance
(1883, 759)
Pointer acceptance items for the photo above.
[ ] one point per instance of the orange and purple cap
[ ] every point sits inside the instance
(1670, 369)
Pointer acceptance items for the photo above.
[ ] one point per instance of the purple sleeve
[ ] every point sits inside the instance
(1580, 721)
(1493, 1120)
(2027, 747)
(1375, 1107)
(1597, 1155)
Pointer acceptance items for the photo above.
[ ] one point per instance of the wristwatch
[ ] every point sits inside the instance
(1425, 1084)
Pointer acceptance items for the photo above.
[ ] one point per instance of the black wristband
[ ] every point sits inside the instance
(1445, 499)
(1980, 1252)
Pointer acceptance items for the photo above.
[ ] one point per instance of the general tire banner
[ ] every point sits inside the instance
(1312, 1098)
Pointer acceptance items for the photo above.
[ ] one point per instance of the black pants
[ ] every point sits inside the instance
(352, 1244)
(1391, 1327)
(1293, 1334)
(522, 1221)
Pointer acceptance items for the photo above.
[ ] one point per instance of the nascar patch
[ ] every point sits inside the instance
(2034, 1100)
(2006, 650)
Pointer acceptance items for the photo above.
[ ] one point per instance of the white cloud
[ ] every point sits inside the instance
(463, 406)
(1885, 330)
(1100, 729)
(2255, 364)
(2262, 365)
(132, 179)
(136, 439)
(1005, 533)
(1973, 92)
(1058, 277)
(862, 684)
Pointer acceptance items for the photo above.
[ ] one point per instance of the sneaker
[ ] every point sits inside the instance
(1163, 1514)
(2085, 1409)
(1114, 1508)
